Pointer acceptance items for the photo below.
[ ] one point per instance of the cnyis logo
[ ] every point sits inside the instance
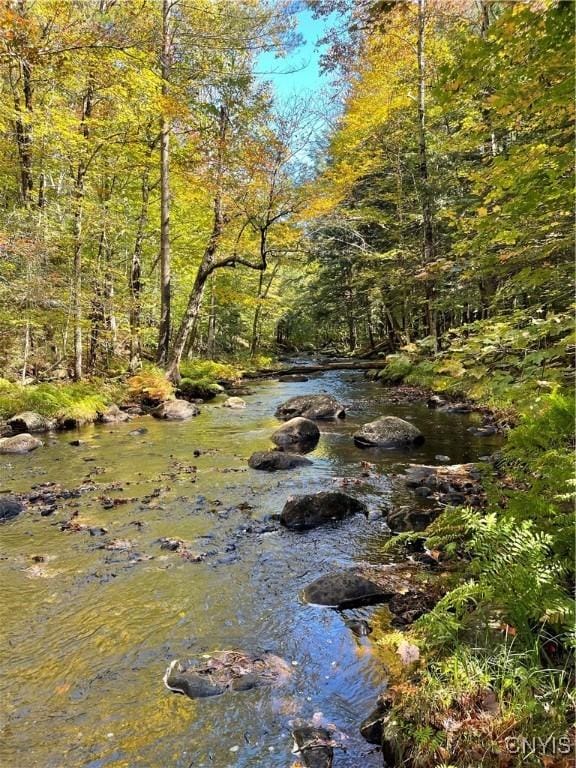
(553, 745)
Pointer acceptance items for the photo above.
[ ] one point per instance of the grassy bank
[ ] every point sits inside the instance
(82, 402)
(494, 681)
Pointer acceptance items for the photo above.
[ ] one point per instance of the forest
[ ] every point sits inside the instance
(179, 237)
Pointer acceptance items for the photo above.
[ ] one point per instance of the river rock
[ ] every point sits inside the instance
(22, 443)
(404, 518)
(113, 415)
(388, 432)
(314, 509)
(359, 627)
(485, 431)
(313, 746)
(175, 410)
(293, 377)
(343, 589)
(311, 407)
(297, 431)
(221, 671)
(234, 402)
(10, 507)
(29, 421)
(270, 461)
(372, 727)
(363, 585)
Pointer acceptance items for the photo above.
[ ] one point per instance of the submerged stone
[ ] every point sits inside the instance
(235, 670)
(314, 509)
(343, 589)
(235, 403)
(270, 461)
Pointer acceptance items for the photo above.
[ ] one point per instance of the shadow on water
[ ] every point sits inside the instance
(88, 632)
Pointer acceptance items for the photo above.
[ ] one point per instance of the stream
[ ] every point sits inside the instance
(87, 632)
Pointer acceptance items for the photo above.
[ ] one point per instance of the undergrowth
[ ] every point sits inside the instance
(496, 663)
(500, 362)
(80, 402)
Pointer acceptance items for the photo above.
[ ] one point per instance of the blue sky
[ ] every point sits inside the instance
(304, 60)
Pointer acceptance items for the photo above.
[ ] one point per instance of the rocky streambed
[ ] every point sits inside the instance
(170, 600)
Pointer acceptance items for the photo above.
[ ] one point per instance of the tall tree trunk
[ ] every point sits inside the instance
(428, 244)
(20, 77)
(96, 309)
(207, 265)
(211, 335)
(135, 277)
(77, 234)
(262, 294)
(165, 277)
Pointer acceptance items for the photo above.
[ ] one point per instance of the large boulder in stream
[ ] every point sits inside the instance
(30, 421)
(388, 432)
(314, 509)
(270, 461)
(216, 673)
(175, 410)
(299, 432)
(311, 407)
(22, 443)
(10, 507)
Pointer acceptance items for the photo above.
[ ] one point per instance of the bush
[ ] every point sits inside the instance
(204, 378)
(397, 368)
(150, 386)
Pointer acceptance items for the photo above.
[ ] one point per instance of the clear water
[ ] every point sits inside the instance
(88, 633)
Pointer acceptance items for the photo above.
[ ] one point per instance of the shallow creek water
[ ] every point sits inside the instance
(88, 633)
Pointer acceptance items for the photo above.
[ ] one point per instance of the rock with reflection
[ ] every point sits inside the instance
(388, 432)
(271, 461)
(311, 407)
(366, 585)
(22, 443)
(313, 745)
(298, 434)
(113, 415)
(221, 671)
(293, 377)
(30, 421)
(175, 410)
(314, 509)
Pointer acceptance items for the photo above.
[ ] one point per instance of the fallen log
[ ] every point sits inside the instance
(344, 365)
